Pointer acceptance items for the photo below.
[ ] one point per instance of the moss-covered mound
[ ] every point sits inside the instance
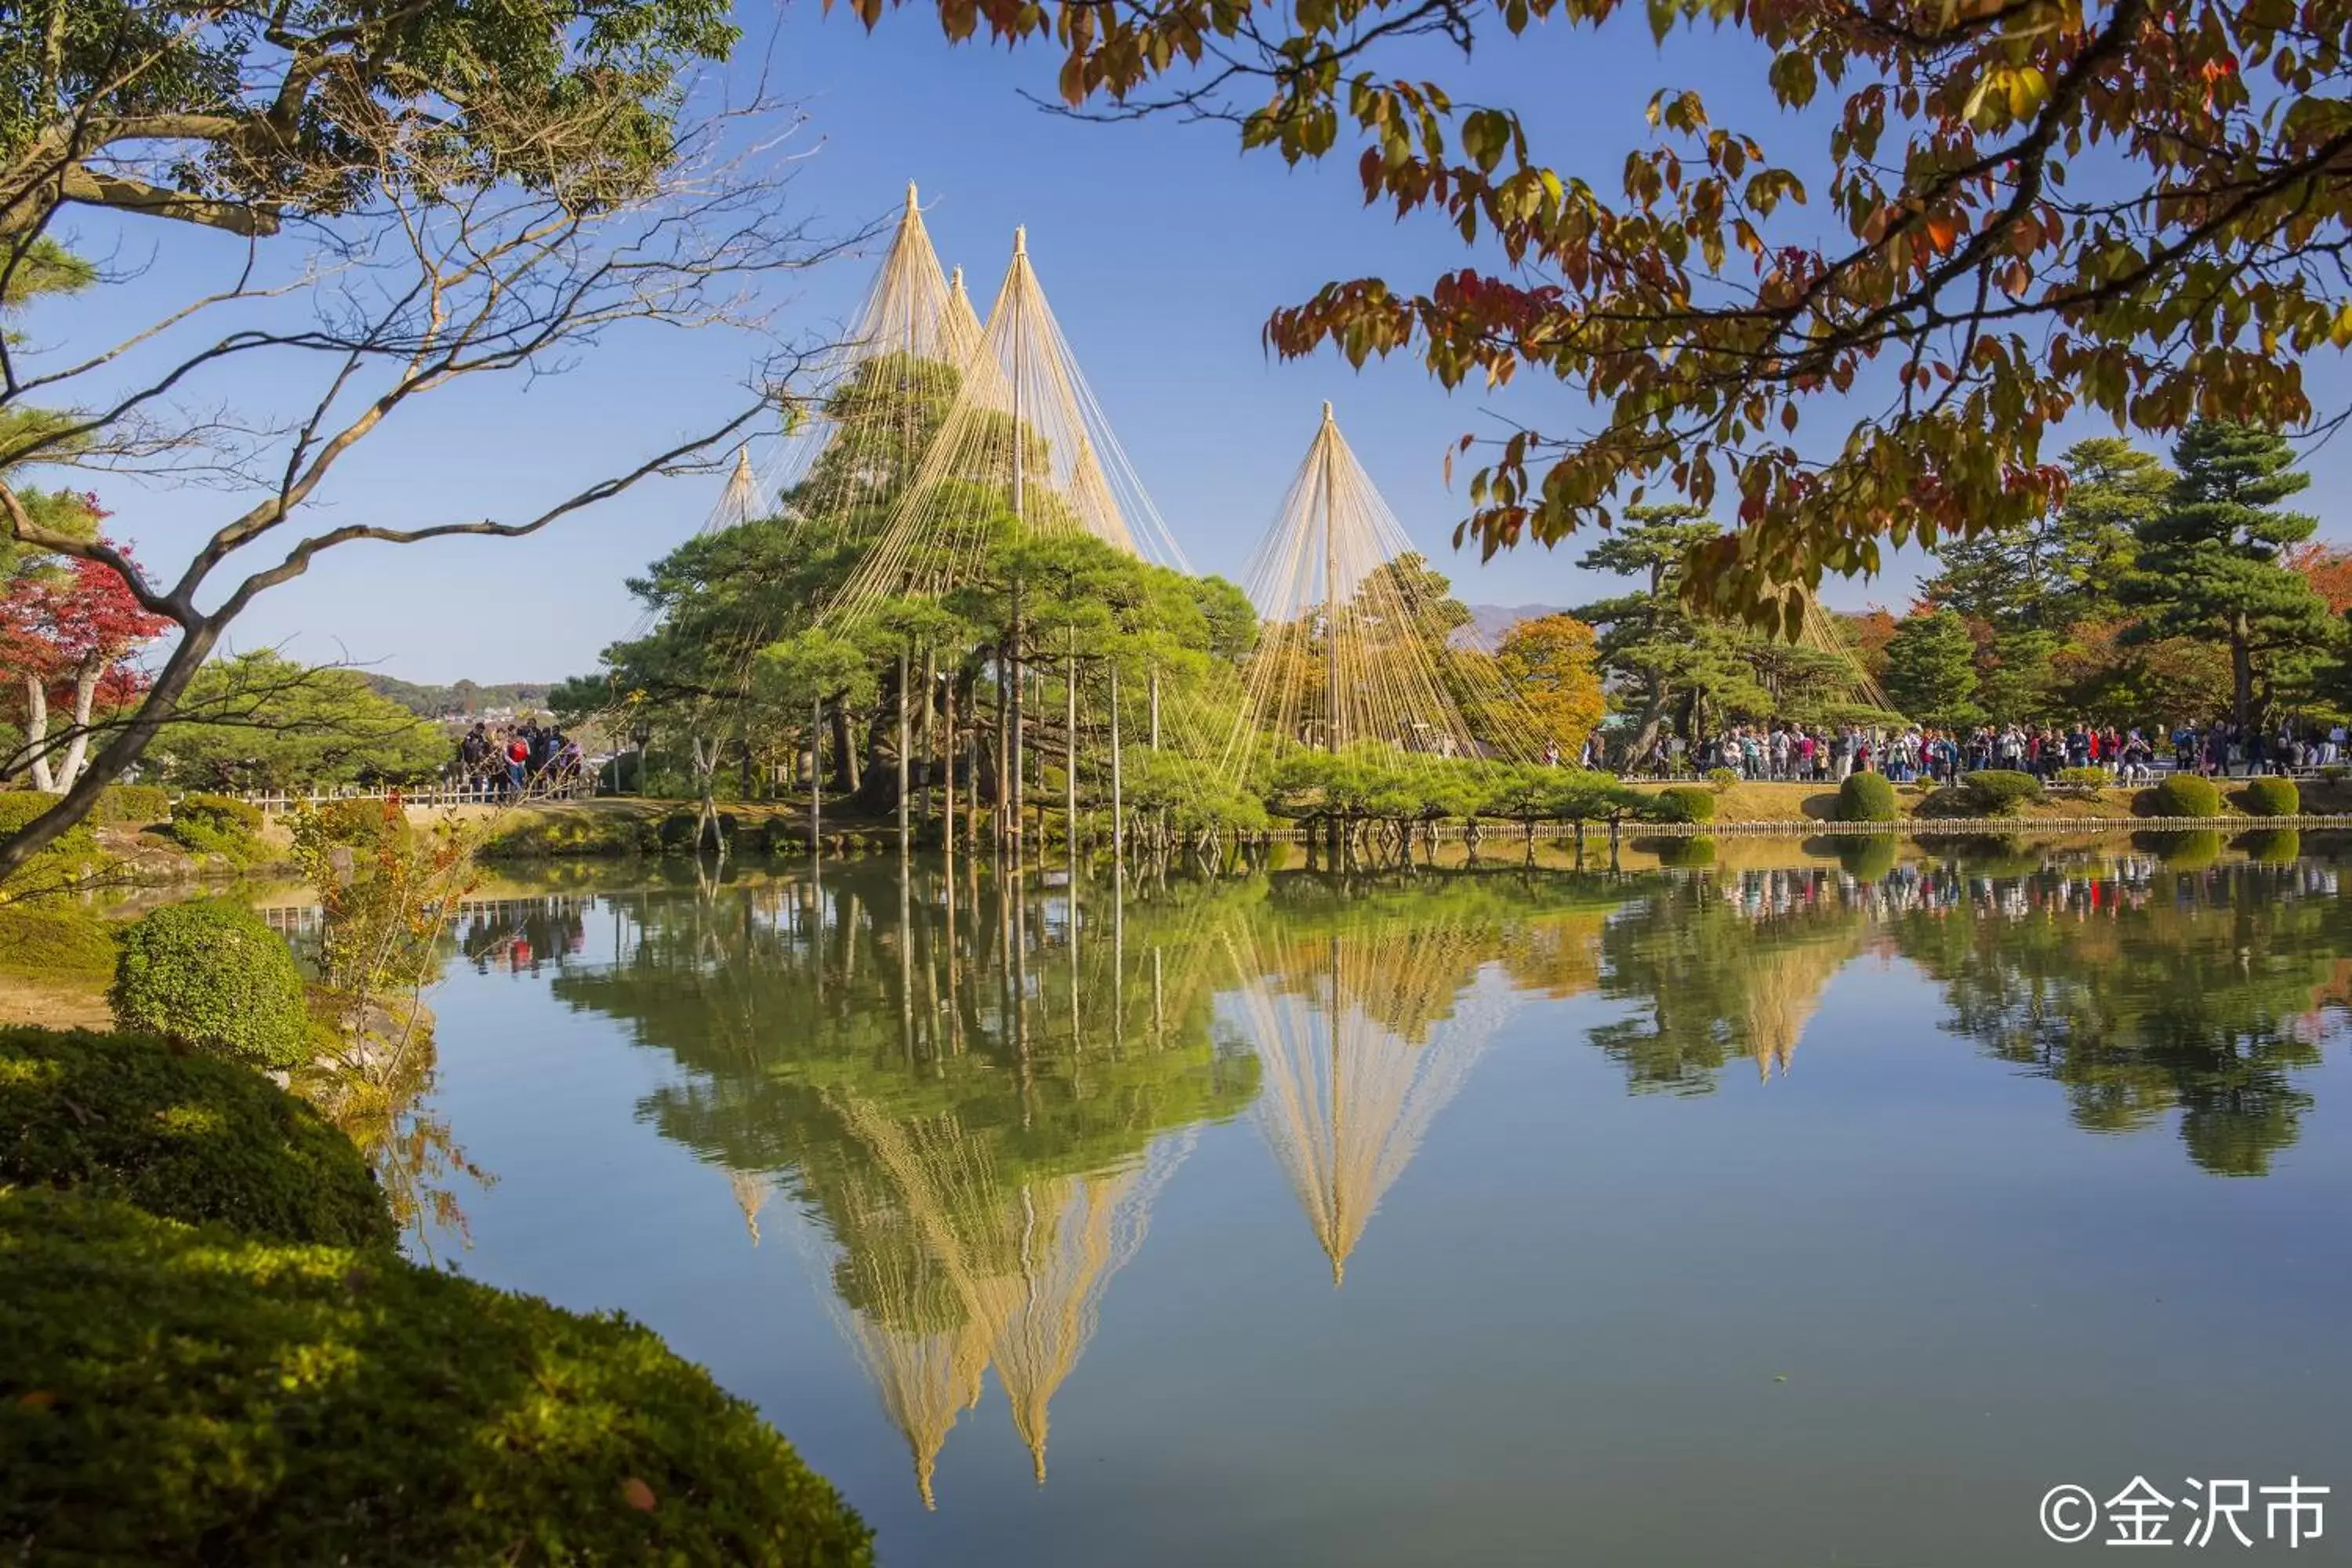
(188, 1137)
(55, 941)
(179, 1394)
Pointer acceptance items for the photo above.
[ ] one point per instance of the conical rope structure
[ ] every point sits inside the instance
(743, 498)
(1024, 438)
(912, 332)
(1357, 641)
(1360, 1044)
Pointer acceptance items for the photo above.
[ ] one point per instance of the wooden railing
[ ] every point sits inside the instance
(472, 792)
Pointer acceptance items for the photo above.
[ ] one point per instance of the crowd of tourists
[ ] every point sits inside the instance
(1798, 753)
(523, 758)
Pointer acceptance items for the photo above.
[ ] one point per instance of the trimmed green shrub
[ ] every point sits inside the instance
(2335, 773)
(676, 831)
(1999, 792)
(1681, 802)
(2270, 797)
(186, 1395)
(1866, 798)
(186, 1137)
(2083, 778)
(2186, 794)
(217, 825)
(1721, 778)
(211, 976)
(132, 805)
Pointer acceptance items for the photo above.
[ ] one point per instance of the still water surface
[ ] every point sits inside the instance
(1799, 1211)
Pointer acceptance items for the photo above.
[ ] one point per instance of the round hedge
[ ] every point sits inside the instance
(1866, 798)
(2186, 794)
(2001, 790)
(1721, 779)
(2270, 797)
(187, 1137)
(186, 1395)
(210, 975)
(1682, 803)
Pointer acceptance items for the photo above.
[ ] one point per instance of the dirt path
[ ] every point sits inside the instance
(24, 1001)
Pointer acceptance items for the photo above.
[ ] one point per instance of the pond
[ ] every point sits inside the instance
(1797, 1208)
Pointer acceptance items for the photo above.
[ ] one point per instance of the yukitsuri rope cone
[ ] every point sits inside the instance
(911, 337)
(1359, 643)
(1024, 439)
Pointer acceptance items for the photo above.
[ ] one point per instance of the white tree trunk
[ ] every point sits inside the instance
(78, 748)
(37, 735)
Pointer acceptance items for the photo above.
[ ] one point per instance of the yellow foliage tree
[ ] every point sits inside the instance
(1553, 663)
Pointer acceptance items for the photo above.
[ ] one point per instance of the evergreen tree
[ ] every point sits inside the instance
(2215, 561)
(1665, 656)
(1931, 669)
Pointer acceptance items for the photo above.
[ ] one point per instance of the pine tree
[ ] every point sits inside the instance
(1931, 669)
(2215, 561)
(1664, 653)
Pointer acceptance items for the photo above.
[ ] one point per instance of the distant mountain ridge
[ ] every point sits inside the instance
(460, 697)
(1491, 623)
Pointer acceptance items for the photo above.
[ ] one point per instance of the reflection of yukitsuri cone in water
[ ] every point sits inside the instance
(1781, 990)
(1347, 1095)
(1075, 1233)
(752, 1191)
(949, 1265)
(920, 1268)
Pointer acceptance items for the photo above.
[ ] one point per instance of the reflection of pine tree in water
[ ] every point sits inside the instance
(2196, 993)
(977, 1157)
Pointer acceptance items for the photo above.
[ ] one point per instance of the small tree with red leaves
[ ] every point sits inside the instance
(68, 631)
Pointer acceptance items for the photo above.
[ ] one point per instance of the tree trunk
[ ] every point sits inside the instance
(1653, 711)
(2242, 673)
(37, 735)
(845, 756)
(84, 699)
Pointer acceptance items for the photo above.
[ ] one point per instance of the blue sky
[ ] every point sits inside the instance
(1162, 247)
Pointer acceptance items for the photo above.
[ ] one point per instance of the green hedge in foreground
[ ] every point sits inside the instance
(171, 1394)
(186, 1137)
